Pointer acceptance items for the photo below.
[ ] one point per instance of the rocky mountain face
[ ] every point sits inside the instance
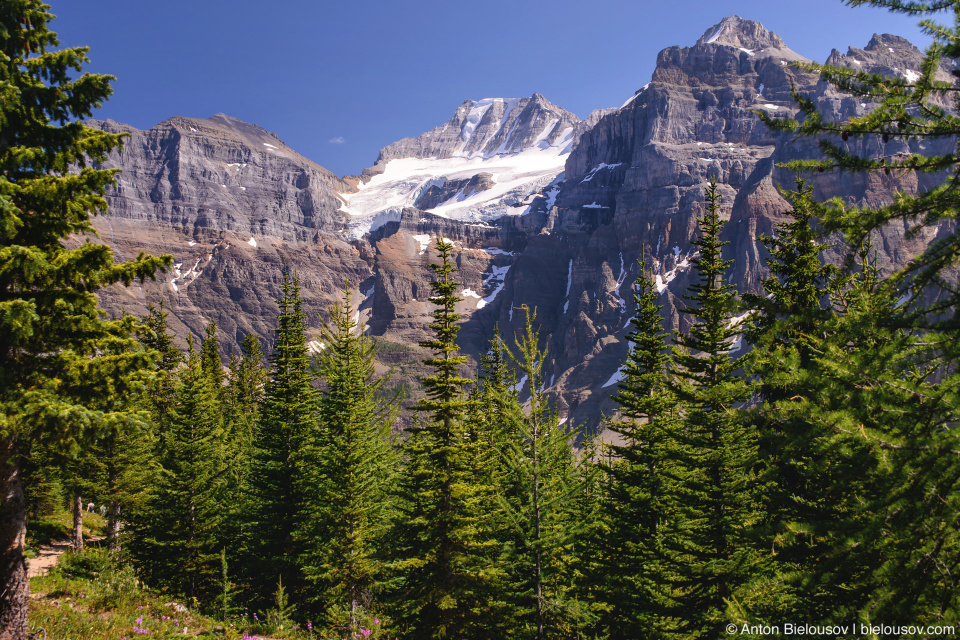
(483, 128)
(482, 164)
(230, 202)
(544, 210)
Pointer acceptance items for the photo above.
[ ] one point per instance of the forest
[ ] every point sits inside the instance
(812, 484)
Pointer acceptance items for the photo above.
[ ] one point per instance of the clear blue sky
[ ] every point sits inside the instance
(338, 80)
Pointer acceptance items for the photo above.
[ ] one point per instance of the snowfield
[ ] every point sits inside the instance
(515, 175)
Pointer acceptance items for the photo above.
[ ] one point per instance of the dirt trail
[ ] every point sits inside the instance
(48, 556)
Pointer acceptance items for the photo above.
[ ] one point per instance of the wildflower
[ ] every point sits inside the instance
(309, 626)
(376, 621)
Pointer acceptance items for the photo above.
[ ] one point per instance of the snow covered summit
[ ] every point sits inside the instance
(485, 162)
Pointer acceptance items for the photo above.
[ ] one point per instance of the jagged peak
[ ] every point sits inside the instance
(744, 34)
(890, 43)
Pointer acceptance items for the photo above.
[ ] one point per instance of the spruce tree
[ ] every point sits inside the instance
(243, 396)
(879, 471)
(539, 486)
(350, 464)
(178, 539)
(713, 454)
(58, 354)
(637, 505)
(444, 575)
(210, 356)
(495, 394)
(154, 334)
(883, 372)
(782, 329)
(288, 419)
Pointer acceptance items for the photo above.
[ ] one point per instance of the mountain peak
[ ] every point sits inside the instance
(488, 127)
(744, 34)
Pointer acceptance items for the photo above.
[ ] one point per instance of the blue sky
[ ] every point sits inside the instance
(338, 80)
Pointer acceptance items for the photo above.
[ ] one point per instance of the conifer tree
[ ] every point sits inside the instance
(247, 378)
(495, 395)
(348, 474)
(210, 356)
(868, 538)
(539, 487)
(154, 334)
(904, 110)
(178, 541)
(714, 454)
(637, 505)
(782, 327)
(872, 402)
(444, 585)
(288, 419)
(243, 396)
(587, 603)
(57, 353)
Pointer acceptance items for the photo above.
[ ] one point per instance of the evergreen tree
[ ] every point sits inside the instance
(58, 355)
(243, 396)
(247, 378)
(288, 419)
(713, 454)
(210, 356)
(444, 585)
(883, 374)
(154, 334)
(782, 327)
(911, 115)
(878, 471)
(636, 504)
(495, 395)
(348, 474)
(178, 541)
(588, 601)
(538, 492)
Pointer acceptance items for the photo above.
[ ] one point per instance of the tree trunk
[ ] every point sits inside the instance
(113, 526)
(113, 505)
(14, 585)
(77, 523)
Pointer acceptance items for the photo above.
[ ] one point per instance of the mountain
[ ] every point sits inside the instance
(480, 165)
(544, 210)
(231, 202)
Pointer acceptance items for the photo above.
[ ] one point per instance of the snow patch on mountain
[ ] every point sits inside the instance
(492, 159)
(403, 180)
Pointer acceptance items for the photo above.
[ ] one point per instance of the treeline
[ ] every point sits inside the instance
(812, 481)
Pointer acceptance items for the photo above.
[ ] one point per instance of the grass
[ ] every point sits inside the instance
(89, 596)
(85, 596)
(59, 528)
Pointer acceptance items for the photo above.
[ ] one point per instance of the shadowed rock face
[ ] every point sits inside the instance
(447, 189)
(232, 203)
